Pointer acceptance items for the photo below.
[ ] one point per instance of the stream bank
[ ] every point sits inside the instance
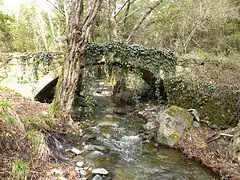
(117, 143)
(116, 140)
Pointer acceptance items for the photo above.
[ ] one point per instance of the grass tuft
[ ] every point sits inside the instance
(20, 170)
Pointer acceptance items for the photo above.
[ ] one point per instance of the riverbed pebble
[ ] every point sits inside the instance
(91, 147)
(97, 177)
(57, 172)
(77, 169)
(76, 151)
(95, 154)
(79, 164)
(83, 172)
(101, 171)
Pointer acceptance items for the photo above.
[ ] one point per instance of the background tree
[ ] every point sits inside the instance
(6, 22)
(25, 31)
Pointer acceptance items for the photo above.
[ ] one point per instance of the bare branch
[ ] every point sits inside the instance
(56, 7)
(131, 14)
(129, 2)
(126, 12)
(135, 28)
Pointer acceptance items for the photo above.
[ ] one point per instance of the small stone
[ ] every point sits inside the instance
(95, 154)
(105, 93)
(80, 164)
(101, 171)
(109, 116)
(76, 151)
(83, 172)
(82, 178)
(89, 136)
(86, 168)
(57, 172)
(61, 178)
(140, 112)
(94, 147)
(77, 169)
(196, 124)
(97, 177)
(150, 126)
(213, 126)
(101, 83)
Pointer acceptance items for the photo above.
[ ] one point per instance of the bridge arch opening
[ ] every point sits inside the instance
(46, 95)
(156, 87)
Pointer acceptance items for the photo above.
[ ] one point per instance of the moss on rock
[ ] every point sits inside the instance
(175, 136)
(173, 123)
(172, 110)
(215, 104)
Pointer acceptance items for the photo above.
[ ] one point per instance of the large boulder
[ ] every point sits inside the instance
(173, 122)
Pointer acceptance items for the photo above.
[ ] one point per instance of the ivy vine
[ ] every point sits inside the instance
(136, 56)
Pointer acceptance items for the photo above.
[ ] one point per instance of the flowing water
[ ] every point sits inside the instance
(121, 150)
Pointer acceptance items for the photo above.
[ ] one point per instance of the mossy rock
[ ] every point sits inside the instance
(173, 122)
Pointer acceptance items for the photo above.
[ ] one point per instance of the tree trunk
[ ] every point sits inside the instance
(79, 27)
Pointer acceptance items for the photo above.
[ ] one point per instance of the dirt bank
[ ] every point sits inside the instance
(203, 144)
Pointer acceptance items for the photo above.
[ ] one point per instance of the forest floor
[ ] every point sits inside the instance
(17, 142)
(24, 127)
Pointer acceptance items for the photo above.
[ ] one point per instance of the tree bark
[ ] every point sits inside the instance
(112, 25)
(79, 26)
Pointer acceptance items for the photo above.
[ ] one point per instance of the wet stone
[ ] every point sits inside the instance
(77, 169)
(57, 172)
(101, 171)
(76, 151)
(89, 136)
(83, 172)
(95, 154)
(97, 177)
(79, 164)
(94, 147)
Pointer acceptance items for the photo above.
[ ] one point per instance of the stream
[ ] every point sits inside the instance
(114, 142)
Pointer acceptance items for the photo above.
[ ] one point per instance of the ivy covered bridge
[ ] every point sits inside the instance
(34, 75)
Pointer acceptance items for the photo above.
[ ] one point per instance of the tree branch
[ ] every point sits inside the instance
(131, 14)
(56, 7)
(135, 28)
(126, 12)
(127, 2)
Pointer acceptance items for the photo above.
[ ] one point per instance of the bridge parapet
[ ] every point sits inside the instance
(27, 74)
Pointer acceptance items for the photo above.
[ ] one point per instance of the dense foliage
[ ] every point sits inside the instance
(210, 25)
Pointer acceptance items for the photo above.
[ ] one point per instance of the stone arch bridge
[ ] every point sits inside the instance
(34, 75)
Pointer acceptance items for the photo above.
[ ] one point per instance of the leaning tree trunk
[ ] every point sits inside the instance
(235, 148)
(79, 26)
